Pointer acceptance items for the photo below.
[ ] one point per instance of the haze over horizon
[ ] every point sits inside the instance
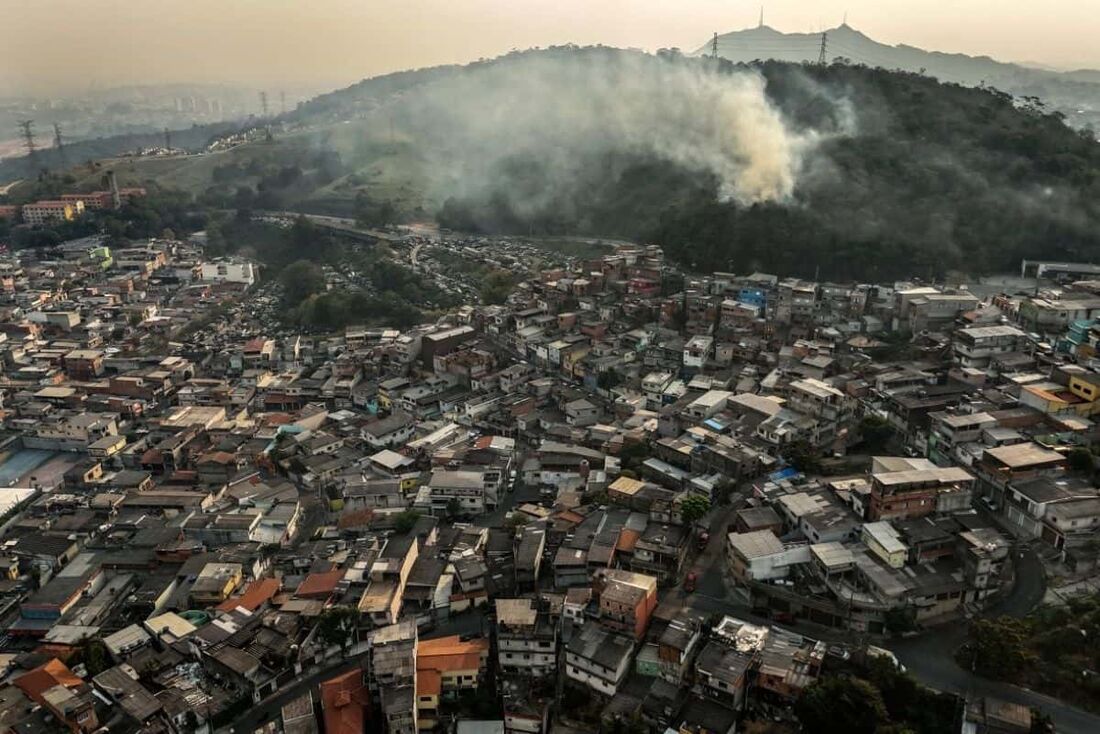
(261, 43)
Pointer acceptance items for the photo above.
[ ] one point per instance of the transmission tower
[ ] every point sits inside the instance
(822, 57)
(27, 127)
(167, 139)
(263, 103)
(57, 141)
(714, 46)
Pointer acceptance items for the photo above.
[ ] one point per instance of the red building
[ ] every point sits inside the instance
(627, 600)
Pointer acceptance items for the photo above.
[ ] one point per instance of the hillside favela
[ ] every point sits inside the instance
(527, 367)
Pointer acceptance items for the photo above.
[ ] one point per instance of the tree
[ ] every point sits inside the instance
(631, 455)
(94, 655)
(803, 457)
(694, 507)
(1080, 460)
(876, 432)
(998, 648)
(301, 280)
(901, 619)
(723, 492)
(608, 380)
(841, 705)
(496, 287)
(405, 521)
(336, 624)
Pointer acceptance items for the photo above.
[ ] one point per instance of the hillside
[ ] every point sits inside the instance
(1075, 94)
(894, 174)
(844, 170)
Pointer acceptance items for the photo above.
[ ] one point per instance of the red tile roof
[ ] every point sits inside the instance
(627, 539)
(448, 654)
(343, 702)
(319, 585)
(253, 597)
(45, 677)
(428, 682)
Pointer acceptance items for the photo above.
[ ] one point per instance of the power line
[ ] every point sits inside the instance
(27, 127)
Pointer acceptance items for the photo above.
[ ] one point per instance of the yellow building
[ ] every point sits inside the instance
(1081, 397)
(216, 582)
(882, 540)
(41, 212)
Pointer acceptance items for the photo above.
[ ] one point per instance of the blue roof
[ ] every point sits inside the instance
(785, 473)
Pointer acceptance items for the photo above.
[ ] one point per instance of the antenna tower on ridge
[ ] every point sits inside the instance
(822, 57)
(714, 46)
(27, 126)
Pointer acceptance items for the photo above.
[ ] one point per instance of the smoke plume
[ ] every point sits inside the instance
(565, 107)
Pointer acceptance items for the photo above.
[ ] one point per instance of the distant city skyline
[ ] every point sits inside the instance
(331, 43)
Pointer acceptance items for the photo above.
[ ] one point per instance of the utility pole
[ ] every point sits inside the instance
(822, 57)
(714, 46)
(27, 126)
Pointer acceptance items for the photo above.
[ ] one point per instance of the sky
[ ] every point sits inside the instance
(60, 47)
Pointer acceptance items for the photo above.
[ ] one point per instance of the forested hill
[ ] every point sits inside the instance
(908, 176)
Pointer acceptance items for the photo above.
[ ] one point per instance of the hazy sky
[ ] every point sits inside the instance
(58, 46)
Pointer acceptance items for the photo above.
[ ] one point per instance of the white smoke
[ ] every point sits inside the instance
(563, 107)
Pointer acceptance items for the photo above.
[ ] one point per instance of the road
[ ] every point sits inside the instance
(341, 224)
(931, 656)
(928, 657)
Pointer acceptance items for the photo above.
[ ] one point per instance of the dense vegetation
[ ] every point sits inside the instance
(906, 177)
(142, 218)
(874, 697)
(1052, 651)
(389, 293)
(909, 177)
